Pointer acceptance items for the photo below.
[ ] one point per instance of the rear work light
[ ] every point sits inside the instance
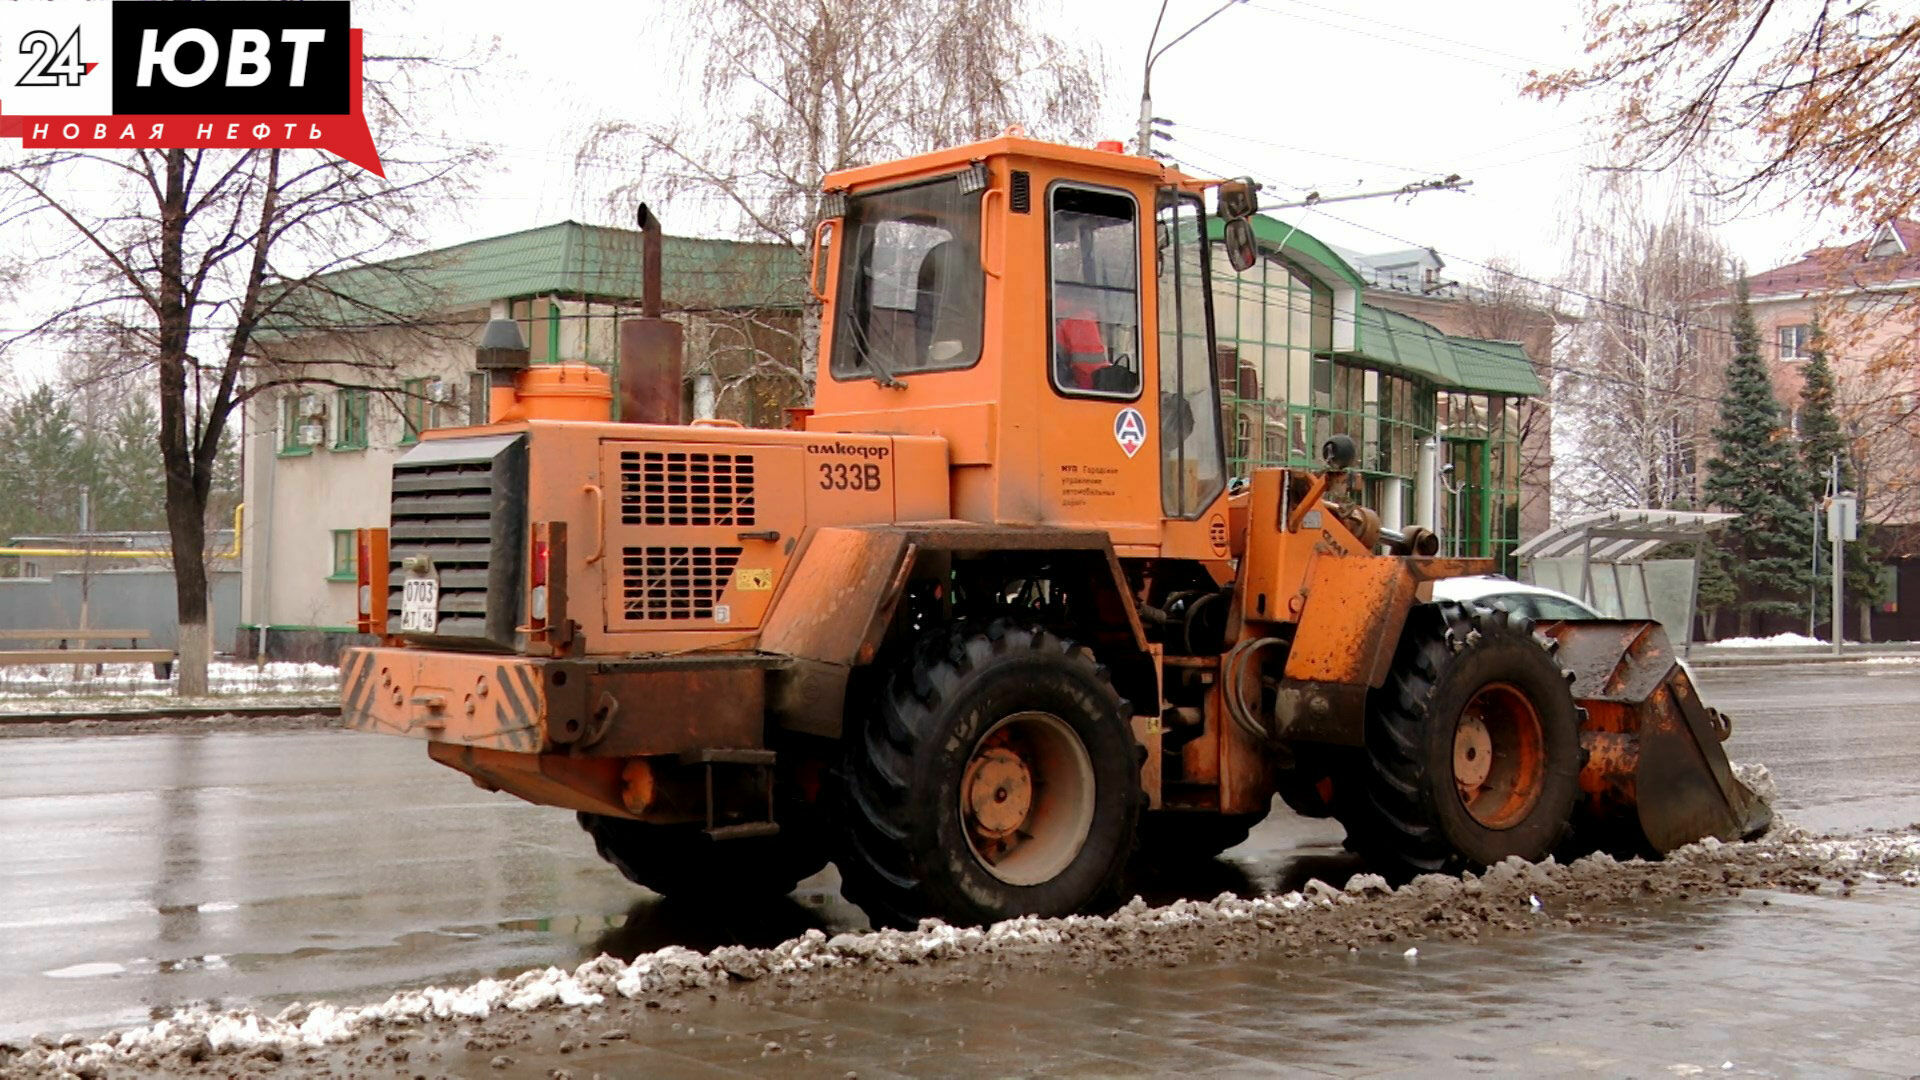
(363, 570)
(548, 629)
(538, 574)
(370, 581)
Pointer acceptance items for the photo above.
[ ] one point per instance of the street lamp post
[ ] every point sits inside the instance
(1145, 145)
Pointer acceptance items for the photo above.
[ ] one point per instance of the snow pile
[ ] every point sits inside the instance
(199, 1032)
(223, 678)
(1777, 641)
(1758, 779)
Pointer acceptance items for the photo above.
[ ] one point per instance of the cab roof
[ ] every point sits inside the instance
(1008, 145)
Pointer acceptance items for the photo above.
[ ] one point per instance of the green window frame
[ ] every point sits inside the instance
(346, 557)
(416, 412)
(290, 444)
(350, 406)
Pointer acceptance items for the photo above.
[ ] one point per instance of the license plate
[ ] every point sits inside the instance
(419, 606)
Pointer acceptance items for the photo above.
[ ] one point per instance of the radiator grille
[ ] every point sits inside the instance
(444, 511)
(671, 583)
(686, 487)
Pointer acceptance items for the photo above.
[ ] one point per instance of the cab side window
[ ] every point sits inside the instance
(1094, 298)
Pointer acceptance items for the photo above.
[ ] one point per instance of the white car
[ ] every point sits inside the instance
(1518, 597)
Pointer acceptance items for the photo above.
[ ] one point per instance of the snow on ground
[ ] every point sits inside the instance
(224, 679)
(1777, 641)
(1787, 858)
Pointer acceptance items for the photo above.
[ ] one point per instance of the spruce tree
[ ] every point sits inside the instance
(1821, 441)
(1756, 472)
(43, 459)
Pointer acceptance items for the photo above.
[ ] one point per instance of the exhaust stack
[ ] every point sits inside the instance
(650, 346)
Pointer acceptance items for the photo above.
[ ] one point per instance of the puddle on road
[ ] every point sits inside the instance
(85, 971)
(138, 966)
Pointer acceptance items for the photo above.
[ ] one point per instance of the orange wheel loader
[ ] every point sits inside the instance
(994, 618)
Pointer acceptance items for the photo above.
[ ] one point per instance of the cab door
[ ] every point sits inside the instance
(1099, 443)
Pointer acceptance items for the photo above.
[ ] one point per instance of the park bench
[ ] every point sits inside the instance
(131, 653)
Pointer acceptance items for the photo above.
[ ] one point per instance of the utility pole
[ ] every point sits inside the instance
(1813, 582)
(1842, 515)
(1144, 146)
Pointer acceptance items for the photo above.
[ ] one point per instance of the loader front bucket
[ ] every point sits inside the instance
(1656, 778)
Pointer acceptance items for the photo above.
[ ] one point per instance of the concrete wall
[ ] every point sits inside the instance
(135, 599)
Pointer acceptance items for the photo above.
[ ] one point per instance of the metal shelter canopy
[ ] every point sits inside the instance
(1622, 536)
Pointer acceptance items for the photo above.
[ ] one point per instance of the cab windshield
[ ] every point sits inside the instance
(911, 285)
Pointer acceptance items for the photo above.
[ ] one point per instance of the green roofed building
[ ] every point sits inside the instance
(385, 352)
(1311, 345)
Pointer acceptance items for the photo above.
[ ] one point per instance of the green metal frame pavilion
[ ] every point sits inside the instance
(1303, 357)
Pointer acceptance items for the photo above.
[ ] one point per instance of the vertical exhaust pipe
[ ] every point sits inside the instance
(650, 346)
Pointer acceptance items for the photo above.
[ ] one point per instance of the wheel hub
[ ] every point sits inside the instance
(1499, 756)
(1000, 791)
(1472, 752)
(1026, 798)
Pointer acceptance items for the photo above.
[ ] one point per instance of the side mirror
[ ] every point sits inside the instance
(1242, 253)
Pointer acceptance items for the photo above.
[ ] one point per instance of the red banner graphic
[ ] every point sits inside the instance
(345, 135)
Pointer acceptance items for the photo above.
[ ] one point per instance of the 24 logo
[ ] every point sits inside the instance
(54, 62)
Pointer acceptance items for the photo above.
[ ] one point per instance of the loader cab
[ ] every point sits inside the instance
(1047, 310)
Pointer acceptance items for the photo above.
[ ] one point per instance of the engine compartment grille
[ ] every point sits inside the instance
(459, 504)
(674, 582)
(686, 487)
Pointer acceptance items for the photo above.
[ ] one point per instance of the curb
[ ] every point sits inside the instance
(193, 712)
(1794, 659)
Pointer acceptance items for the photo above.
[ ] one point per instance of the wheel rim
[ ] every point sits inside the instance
(1499, 756)
(1026, 798)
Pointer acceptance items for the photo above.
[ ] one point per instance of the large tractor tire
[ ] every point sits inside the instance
(996, 776)
(1472, 748)
(682, 861)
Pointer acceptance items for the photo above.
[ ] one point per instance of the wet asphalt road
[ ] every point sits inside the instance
(140, 873)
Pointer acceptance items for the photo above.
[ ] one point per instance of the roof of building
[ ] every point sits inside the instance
(1451, 361)
(1891, 254)
(569, 260)
(1293, 240)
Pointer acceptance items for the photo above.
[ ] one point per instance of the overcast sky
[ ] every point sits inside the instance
(1334, 96)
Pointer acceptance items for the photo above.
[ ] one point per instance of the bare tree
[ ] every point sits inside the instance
(1794, 98)
(189, 258)
(1506, 305)
(791, 90)
(1635, 391)
(1787, 101)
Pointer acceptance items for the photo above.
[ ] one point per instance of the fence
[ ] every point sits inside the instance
(141, 598)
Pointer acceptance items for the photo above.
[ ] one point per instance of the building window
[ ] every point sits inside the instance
(1796, 342)
(296, 417)
(425, 404)
(350, 425)
(346, 557)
